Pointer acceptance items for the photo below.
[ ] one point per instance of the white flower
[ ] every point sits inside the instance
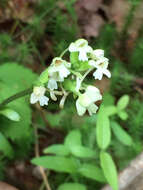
(82, 47)
(101, 63)
(52, 84)
(57, 71)
(97, 54)
(38, 95)
(86, 101)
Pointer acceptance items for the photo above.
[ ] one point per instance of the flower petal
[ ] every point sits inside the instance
(107, 73)
(88, 49)
(52, 84)
(80, 109)
(93, 93)
(81, 42)
(82, 55)
(43, 100)
(33, 98)
(92, 109)
(84, 100)
(98, 74)
(39, 90)
(73, 47)
(63, 72)
(98, 53)
(92, 63)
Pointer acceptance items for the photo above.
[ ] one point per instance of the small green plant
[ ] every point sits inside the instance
(63, 78)
(74, 158)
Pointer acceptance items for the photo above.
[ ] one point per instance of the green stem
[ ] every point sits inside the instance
(75, 73)
(86, 73)
(82, 79)
(62, 54)
(16, 96)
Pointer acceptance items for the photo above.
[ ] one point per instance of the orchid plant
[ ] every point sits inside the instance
(63, 77)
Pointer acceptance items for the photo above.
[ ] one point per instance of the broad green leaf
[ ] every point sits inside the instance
(108, 99)
(121, 134)
(123, 115)
(15, 78)
(57, 163)
(110, 110)
(109, 169)
(5, 146)
(17, 130)
(73, 139)
(93, 172)
(10, 114)
(123, 102)
(82, 152)
(72, 186)
(13, 73)
(103, 132)
(57, 149)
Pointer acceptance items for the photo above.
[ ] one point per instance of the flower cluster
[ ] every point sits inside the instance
(64, 77)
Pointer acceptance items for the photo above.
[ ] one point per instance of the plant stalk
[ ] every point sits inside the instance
(16, 96)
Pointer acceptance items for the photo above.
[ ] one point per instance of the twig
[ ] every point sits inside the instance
(45, 179)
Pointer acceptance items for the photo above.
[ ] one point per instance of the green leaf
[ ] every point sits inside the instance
(72, 186)
(82, 152)
(110, 110)
(92, 172)
(10, 114)
(73, 142)
(123, 115)
(57, 149)
(108, 99)
(74, 59)
(123, 102)
(15, 74)
(5, 146)
(15, 78)
(103, 132)
(73, 139)
(109, 169)
(43, 78)
(121, 134)
(57, 163)
(17, 130)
